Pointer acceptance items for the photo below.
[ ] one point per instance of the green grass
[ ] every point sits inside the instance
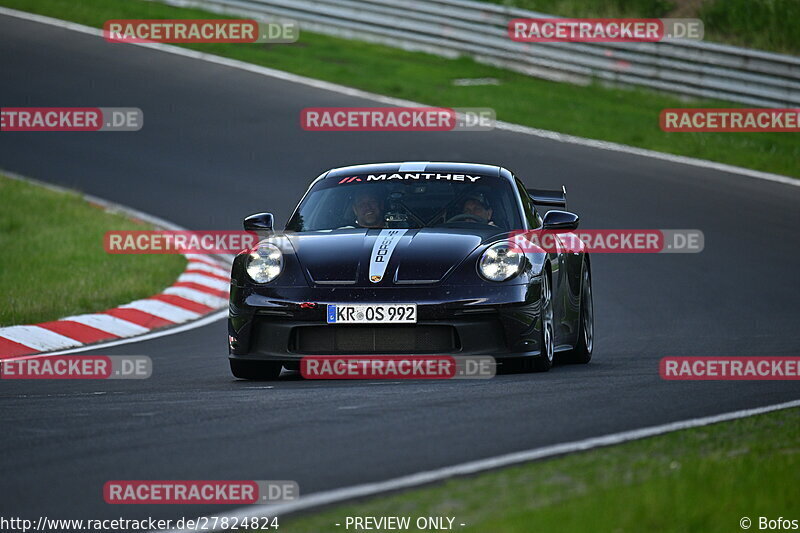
(53, 263)
(763, 24)
(619, 115)
(694, 481)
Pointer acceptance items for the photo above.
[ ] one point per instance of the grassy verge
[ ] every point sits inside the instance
(763, 24)
(53, 263)
(701, 480)
(624, 116)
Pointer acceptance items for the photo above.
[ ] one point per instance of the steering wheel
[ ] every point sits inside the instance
(465, 216)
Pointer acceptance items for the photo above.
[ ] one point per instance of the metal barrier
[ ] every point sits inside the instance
(480, 30)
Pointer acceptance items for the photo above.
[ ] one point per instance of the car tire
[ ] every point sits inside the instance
(255, 370)
(544, 362)
(582, 352)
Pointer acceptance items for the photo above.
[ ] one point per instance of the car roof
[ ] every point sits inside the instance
(420, 166)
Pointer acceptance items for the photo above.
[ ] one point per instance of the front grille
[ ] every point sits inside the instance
(387, 340)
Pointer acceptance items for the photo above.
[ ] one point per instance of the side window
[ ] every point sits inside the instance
(534, 221)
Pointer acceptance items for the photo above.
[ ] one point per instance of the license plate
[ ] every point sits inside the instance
(372, 314)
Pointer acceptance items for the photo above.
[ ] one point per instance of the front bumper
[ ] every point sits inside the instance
(286, 324)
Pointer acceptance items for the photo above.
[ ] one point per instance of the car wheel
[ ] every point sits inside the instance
(582, 353)
(262, 370)
(544, 362)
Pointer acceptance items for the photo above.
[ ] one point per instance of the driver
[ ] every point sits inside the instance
(368, 208)
(477, 205)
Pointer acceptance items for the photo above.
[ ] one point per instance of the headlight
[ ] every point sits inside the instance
(501, 261)
(265, 263)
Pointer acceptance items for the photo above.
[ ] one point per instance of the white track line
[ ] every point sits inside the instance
(357, 93)
(430, 476)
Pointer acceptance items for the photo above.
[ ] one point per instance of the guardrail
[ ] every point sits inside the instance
(480, 30)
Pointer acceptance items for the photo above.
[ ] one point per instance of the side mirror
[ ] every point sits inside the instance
(560, 220)
(259, 222)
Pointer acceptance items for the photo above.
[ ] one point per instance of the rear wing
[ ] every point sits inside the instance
(555, 198)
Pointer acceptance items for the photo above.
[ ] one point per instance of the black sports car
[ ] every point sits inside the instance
(411, 258)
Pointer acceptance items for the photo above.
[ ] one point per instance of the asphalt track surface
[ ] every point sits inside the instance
(220, 143)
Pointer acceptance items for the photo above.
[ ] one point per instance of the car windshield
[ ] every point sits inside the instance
(408, 200)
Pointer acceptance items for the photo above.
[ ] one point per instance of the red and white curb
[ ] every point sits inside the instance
(201, 289)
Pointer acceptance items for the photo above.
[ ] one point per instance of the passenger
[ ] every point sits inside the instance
(477, 205)
(368, 208)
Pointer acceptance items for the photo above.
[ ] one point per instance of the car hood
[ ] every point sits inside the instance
(383, 257)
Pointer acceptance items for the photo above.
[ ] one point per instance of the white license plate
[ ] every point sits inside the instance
(372, 314)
